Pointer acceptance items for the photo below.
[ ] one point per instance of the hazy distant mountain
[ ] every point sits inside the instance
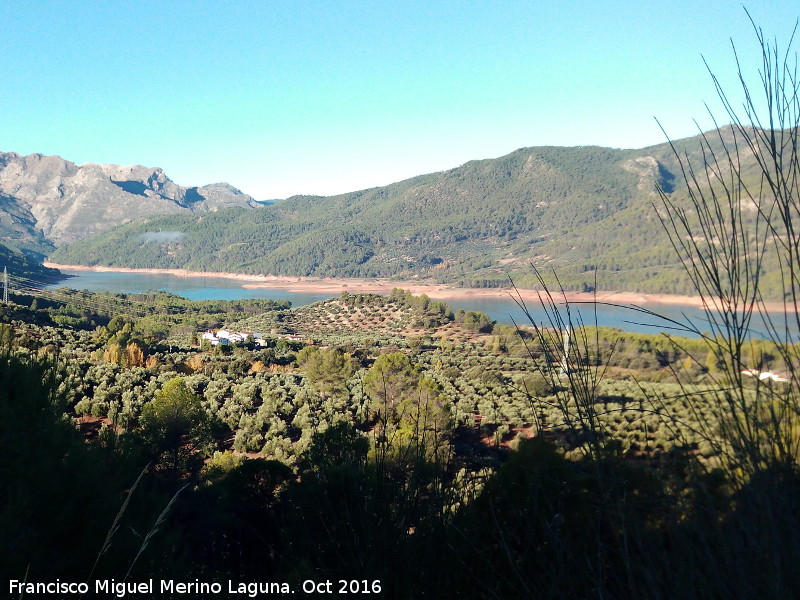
(48, 201)
(584, 211)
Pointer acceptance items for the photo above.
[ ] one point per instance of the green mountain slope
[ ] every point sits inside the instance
(27, 265)
(582, 211)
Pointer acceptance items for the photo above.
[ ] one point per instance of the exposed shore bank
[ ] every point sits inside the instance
(436, 291)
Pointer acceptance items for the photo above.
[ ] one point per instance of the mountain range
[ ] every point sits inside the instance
(587, 212)
(47, 201)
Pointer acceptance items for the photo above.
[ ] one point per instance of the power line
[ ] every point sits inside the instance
(123, 306)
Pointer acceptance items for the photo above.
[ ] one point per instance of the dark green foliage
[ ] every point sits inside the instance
(474, 321)
(229, 524)
(58, 496)
(24, 263)
(366, 519)
(38, 466)
(407, 500)
(327, 369)
(175, 426)
(339, 446)
(542, 515)
(153, 317)
(391, 381)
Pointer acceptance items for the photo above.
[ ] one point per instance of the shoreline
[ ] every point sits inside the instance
(435, 291)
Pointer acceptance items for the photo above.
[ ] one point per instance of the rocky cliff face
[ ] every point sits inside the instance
(55, 199)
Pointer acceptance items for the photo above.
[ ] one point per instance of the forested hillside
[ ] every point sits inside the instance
(25, 264)
(585, 211)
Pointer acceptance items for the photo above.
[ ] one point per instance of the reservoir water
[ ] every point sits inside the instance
(502, 309)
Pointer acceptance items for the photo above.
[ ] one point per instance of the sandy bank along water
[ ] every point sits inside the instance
(438, 291)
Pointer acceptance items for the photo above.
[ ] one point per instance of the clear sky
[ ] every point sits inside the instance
(281, 98)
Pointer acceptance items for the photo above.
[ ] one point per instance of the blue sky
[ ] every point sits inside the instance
(283, 98)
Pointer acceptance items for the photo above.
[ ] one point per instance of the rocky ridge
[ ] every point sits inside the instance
(52, 201)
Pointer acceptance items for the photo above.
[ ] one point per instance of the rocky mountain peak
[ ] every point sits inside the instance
(67, 202)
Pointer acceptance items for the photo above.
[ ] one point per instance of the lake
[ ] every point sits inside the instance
(503, 310)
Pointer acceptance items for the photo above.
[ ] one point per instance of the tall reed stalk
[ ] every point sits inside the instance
(733, 230)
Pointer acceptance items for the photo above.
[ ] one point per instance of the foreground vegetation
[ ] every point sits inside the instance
(436, 452)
